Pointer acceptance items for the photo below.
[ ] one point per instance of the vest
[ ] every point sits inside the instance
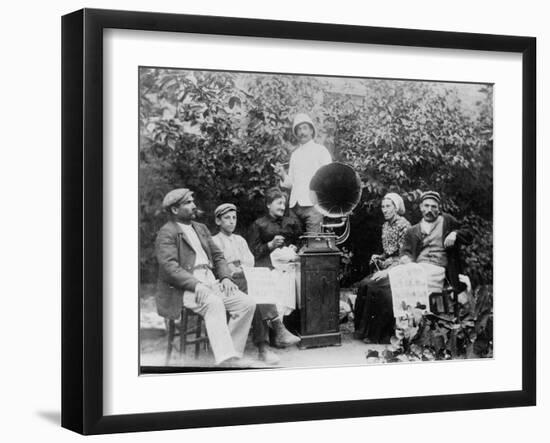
(432, 246)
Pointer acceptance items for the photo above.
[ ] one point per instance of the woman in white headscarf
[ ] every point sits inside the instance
(373, 308)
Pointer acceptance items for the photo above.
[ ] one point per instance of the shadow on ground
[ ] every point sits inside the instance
(53, 417)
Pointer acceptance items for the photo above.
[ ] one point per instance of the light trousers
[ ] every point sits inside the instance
(227, 338)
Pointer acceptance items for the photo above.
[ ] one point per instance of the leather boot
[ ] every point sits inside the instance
(283, 338)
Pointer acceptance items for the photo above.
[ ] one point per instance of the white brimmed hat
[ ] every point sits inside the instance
(302, 118)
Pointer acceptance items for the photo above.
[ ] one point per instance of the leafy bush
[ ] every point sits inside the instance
(219, 132)
(442, 337)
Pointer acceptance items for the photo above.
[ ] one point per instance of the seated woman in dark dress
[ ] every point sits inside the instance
(374, 322)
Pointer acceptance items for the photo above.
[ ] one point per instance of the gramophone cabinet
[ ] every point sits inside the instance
(319, 299)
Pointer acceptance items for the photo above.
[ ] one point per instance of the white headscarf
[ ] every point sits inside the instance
(397, 201)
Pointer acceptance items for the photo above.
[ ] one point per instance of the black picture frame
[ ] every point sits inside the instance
(82, 219)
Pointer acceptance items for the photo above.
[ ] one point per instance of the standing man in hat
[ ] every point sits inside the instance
(304, 163)
(434, 243)
(193, 273)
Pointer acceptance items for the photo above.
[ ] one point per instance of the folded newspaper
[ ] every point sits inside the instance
(409, 290)
(275, 286)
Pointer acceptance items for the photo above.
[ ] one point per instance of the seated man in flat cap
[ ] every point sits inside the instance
(194, 273)
(434, 243)
(238, 254)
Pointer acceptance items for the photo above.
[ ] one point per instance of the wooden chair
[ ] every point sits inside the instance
(442, 303)
(190, 333)
(446, 302)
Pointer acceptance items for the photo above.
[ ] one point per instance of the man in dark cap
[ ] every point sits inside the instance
(193, 273)
(434, 243)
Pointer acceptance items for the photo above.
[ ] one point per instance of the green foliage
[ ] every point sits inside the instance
(410, 136)
(443, 337)
(219, 132)
(478, 256)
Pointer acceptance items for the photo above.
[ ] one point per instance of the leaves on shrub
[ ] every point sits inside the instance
(445, 337)
(219, 133)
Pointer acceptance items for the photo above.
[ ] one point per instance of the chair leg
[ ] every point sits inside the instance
(456, 304)
(171, 330)
(198, 333)
(183, 331)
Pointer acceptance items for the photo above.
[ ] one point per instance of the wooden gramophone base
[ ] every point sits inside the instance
(320, 340)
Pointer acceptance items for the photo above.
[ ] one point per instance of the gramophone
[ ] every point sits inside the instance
(336, 191)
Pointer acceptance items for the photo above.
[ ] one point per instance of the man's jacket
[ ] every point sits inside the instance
(176, 260)
(412, 245)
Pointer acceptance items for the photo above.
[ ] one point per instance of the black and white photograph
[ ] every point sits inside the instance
(275, 221)
(299, 221)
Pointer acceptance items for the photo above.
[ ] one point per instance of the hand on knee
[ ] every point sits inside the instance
(203, 293)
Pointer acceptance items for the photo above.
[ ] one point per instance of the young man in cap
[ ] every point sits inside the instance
(193, 273)
(235, 249)
(304, 163)
(238, 254)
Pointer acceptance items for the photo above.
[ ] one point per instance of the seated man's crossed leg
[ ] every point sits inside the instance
(227, 338)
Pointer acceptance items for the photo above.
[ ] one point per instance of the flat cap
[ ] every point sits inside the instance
(430, 194)
(174, 197)
(224, 208)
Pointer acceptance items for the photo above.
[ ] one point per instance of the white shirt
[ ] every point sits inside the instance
(304, 163)
(427, 227)
(193, 239)
(234, 248)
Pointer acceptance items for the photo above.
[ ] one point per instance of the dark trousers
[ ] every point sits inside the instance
(309, 217)
(373, 311)
(263, 313)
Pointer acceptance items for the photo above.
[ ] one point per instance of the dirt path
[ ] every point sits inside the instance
(153, 342)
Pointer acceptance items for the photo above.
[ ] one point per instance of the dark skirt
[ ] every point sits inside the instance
(260, 329)
(373, 311)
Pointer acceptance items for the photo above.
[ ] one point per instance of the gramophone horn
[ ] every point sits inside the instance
(336, 190)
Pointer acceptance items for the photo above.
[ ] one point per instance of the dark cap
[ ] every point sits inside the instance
(430, 194)
(174, 197)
